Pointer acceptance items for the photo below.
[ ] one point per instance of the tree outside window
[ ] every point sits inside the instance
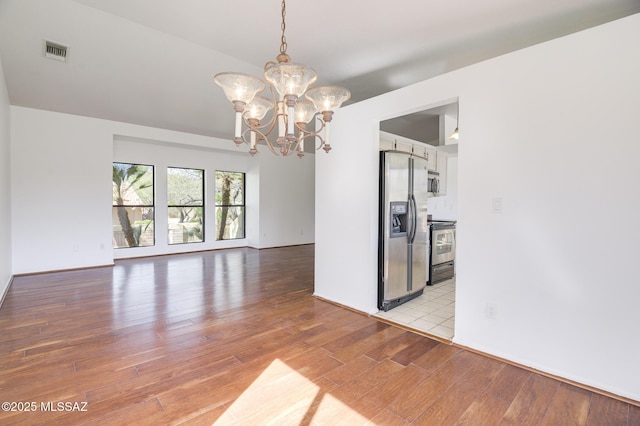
(133, 205)
(230, 205)
(185, 196)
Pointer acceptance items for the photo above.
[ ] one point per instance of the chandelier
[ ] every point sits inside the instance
(287, 83)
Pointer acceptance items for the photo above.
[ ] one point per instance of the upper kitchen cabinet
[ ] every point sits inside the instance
(437, 156)
(433, 158)
(426, 134)
(391, 142)
(387, 141)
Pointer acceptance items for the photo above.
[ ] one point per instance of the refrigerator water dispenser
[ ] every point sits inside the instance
(398, 216)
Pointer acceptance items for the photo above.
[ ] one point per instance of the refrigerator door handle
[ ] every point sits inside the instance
(414, 218)
(409, 220)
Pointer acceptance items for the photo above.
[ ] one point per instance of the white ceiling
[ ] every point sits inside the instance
(151, 62)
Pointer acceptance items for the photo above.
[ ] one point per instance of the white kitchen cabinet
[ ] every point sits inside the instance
(391, 142)
(404, 145)
(387, 141)
(420, 150)
(436, 159)
(432, 157)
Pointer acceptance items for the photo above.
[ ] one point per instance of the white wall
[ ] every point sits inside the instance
(61, 201)
(286, 200)
(5, 187)
(551, 131)
(61, 187)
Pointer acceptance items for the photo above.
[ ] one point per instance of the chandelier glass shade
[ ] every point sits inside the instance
(257, 117)
(290, 79)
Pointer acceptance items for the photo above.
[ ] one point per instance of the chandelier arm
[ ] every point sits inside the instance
(271, 147)
(244, 136)
(267, 65)
(317, 132)
(264, 137)
(320, 143)
(304, 134)
(265, 130)
(307, 135)
(270, 124)
(311, 133)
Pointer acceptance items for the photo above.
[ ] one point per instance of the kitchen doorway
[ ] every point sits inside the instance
(428, 131)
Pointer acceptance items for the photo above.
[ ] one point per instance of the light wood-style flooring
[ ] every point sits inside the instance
(236, 337)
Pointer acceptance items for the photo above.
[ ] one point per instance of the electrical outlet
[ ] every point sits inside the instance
(491, 311)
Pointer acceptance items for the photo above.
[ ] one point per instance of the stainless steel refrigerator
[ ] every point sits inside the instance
(403, 228)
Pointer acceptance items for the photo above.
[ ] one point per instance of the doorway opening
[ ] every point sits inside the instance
(427, 134)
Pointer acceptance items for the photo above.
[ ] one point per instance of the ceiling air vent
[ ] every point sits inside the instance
(55, 51)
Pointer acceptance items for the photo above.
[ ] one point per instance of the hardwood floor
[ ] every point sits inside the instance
(236, 337)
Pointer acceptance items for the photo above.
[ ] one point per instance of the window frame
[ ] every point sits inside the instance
(151, 206)
(202, 205)
(243, 206)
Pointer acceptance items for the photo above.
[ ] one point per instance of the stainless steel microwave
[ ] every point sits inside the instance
(434, 182)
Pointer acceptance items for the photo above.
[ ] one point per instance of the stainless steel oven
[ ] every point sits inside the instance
(443, 251)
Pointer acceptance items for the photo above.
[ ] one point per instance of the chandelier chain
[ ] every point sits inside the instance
(283, 26)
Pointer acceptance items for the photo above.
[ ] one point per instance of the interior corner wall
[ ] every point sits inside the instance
(61, 178)
(548, 131)
(5, 187)
(61, 187)
(61, 195)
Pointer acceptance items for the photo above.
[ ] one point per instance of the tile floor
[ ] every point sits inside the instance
(433, 312)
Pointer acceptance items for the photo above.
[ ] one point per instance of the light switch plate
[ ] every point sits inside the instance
(497, 205)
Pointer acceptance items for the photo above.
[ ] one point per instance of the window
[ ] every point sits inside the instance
(133, 211)
(229, 205)
(185, 199)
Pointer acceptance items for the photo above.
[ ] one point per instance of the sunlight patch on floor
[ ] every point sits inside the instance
(332, 411)
(282, 396)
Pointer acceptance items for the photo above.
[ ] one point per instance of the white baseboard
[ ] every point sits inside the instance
(6, 290)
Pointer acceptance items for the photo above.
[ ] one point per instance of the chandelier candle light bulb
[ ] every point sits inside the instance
(281, 126)
(291, 103)
(254, 112)
(304, 113)
(291, 81)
